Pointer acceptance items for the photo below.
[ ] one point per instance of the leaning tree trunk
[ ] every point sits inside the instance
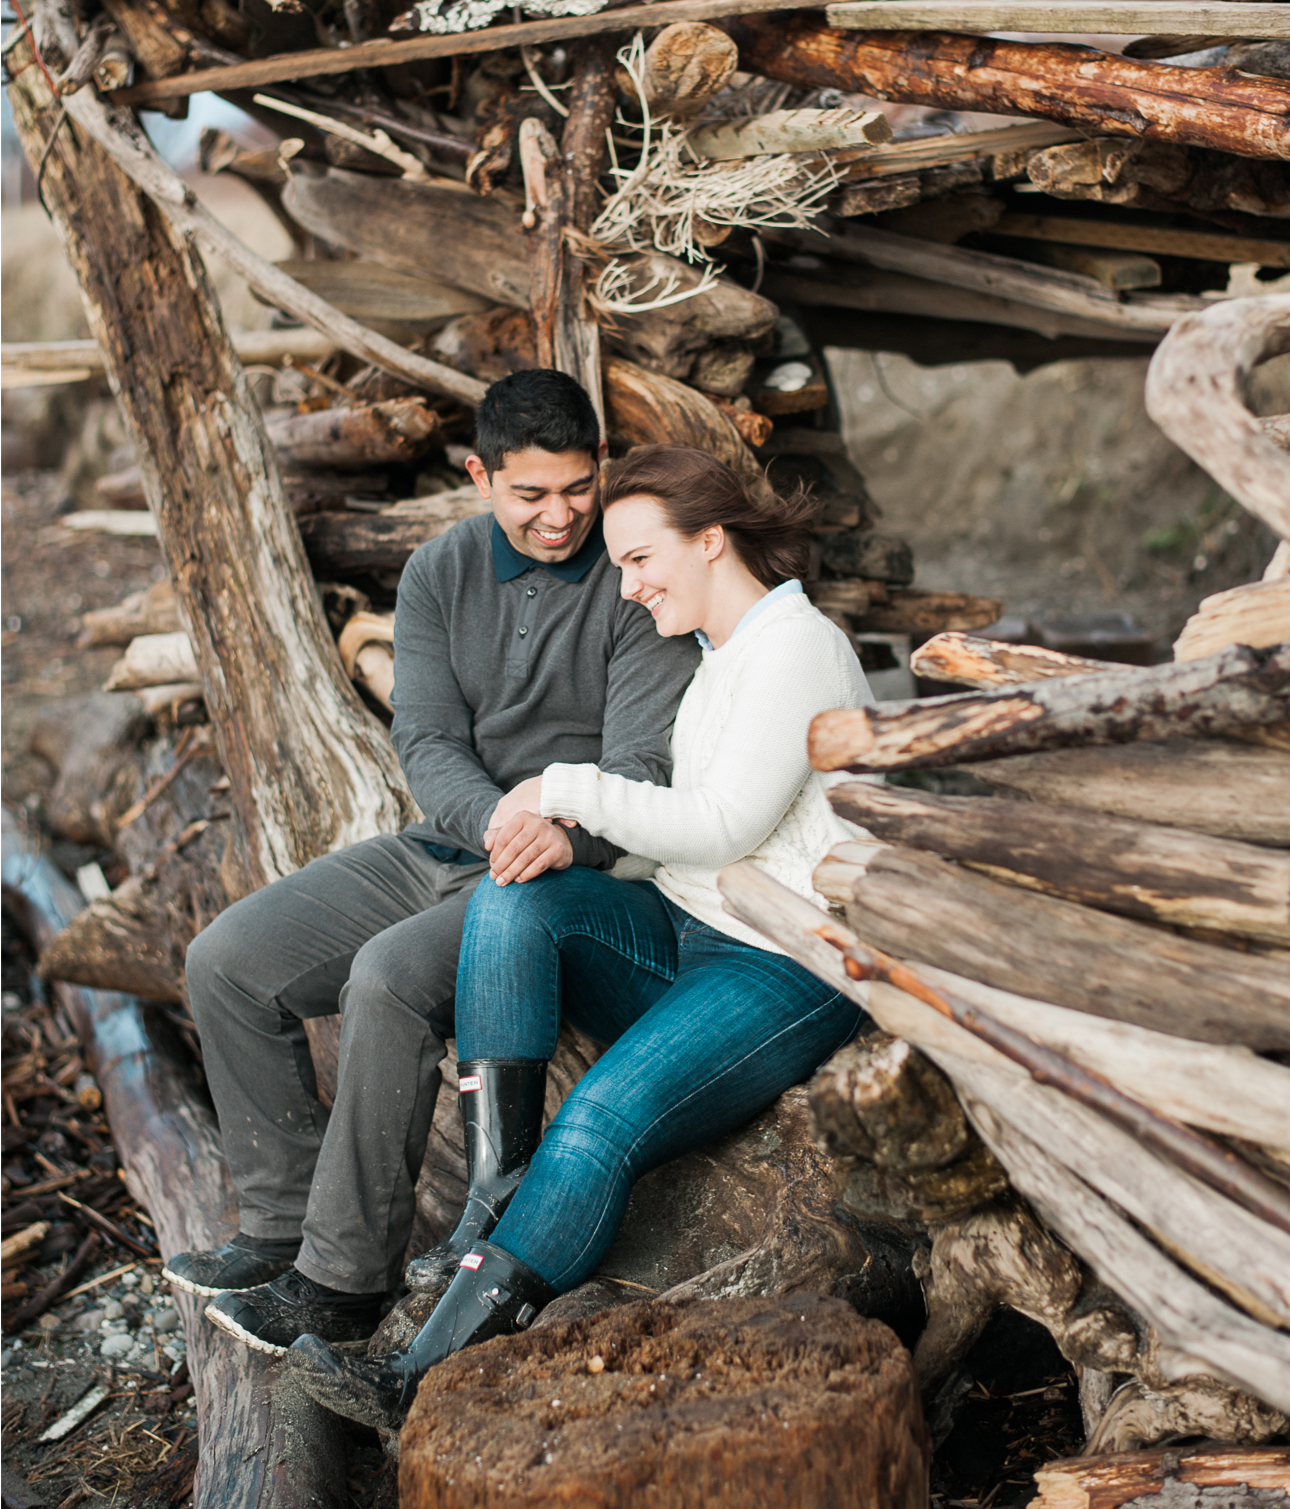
(310, 769)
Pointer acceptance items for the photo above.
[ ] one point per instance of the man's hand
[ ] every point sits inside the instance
(526, 846)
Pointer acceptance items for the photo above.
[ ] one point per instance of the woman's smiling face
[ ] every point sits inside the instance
(667, 574)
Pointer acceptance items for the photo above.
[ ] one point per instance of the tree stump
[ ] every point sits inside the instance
(699, 1405)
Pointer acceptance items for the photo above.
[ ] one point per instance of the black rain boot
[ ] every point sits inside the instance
(501, 1113)
(493, 1294)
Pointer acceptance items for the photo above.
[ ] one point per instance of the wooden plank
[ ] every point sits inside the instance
(940, 151)
(1161, 874)
(1228, 18)
(389, 52)
(1162, 241)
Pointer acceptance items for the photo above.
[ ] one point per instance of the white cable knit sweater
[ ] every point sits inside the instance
(741, 786)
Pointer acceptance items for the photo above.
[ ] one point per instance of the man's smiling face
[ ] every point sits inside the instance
(545, 501)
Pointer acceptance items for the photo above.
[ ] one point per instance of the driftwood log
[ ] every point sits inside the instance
(339, 544)
(969, 661)
(150, 611)
(1234, 688)
(1226, 790)
(265, 1445)
(1077, 86)
(375, 434)
(1257, 613)
(479, 246)
(1245, 1477)
(668, 1403)
(310, 768)
(1140, 869)
(917, 906)
(1196, 393)
(1199, 1331)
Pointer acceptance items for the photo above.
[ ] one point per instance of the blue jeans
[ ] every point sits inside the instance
(705, 1032)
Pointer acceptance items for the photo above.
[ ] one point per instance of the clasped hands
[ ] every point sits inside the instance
(520, 843)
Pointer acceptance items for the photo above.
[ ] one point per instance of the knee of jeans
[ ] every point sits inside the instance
(585, 1128)
(208, 960)
(503, 911)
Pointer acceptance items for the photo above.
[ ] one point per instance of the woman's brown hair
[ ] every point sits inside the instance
(769, 534)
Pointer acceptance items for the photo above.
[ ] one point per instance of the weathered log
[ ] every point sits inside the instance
(92, 743)
(909, 611)
(916, 906)
(685, 65)
(1195, 392)
(1122, 1477)
(968, 661)
(309, 767)
(374, 434)
(1238, 686)
(1242, 18)
(1078, 86)
(366, 646)
(42, 358)
(369, 291)
(1163, 874)
(646, 408)
(1187, 1315)
(479, 246)
(789, 131)
(1159, 240)
(1224, 789)
(622, 1408)
(903, 1147)
(339, 544)
(266, 1445)
(154, 660)
(867, 554)
(1066, 293)
(1256, 614)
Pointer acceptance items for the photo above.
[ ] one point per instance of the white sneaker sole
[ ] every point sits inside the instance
(187, 1285)
(256, 1343)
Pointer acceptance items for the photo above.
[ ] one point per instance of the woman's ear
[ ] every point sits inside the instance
(714, 542)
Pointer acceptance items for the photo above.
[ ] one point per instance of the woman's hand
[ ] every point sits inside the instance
(521, 843)
(526, 797)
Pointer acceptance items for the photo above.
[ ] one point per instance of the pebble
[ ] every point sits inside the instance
(90, 1321)
(164, 1320)
(147, 1284)
(113, 1310)
(117, 1346)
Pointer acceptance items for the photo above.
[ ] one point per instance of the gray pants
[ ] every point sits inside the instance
(372, 932)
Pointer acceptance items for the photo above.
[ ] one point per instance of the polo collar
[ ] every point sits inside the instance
(509, 563)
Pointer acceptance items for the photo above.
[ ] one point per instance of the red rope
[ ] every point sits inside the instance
(53, 88)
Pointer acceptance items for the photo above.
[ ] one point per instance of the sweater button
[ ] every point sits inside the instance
(532, 592)
(523, 632)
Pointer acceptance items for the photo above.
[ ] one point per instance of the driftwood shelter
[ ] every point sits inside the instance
(1078, 1099)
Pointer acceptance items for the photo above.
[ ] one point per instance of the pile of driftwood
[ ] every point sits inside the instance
(1095, 958)
(682, 211)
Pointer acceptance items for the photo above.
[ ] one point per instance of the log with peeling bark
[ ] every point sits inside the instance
(1236, 687)
(646, 408)
(917, 906)
(1242, 1475)
(1168, 875)
(351, 437)
(1195, 392)
(150, 611)
(970, 661)
(265, 1444)
(479, 246)
(1187, 1315)
(1078, 86)
(1223, 789)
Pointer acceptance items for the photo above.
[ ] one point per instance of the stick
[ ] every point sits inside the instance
(1228, 18)
(53, 1291)
(387, 53)
(108, 1227)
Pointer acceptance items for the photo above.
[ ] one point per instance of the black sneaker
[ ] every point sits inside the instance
(269, 1318)
(240, 1264)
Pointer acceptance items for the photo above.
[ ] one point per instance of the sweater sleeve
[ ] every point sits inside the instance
(796, 670)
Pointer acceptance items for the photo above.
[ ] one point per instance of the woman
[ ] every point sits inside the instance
(708, 1020)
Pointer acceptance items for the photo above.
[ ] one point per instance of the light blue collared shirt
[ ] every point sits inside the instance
(785, 589)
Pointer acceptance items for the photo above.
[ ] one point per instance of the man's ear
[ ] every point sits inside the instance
(603, 450)
(479, 476)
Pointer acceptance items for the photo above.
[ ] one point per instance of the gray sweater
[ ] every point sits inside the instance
(496, 679)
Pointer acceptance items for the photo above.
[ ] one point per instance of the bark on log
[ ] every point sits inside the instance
(375, 434)
(969, 661)
(1195, 392)
(340, 544)
(1225, 790)
(265, 1444)
(841, 1391)
(1163, 874)
(479, 246)
(1112, 1480)
(1078, 86)
(685, 65)
(909, 611)
(310, 768)
(919, 907)
(1238, 686)
(1189, 1318)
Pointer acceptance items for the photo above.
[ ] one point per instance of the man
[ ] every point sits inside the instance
(513, 650)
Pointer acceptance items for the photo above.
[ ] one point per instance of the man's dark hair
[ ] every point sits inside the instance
(536, 409)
